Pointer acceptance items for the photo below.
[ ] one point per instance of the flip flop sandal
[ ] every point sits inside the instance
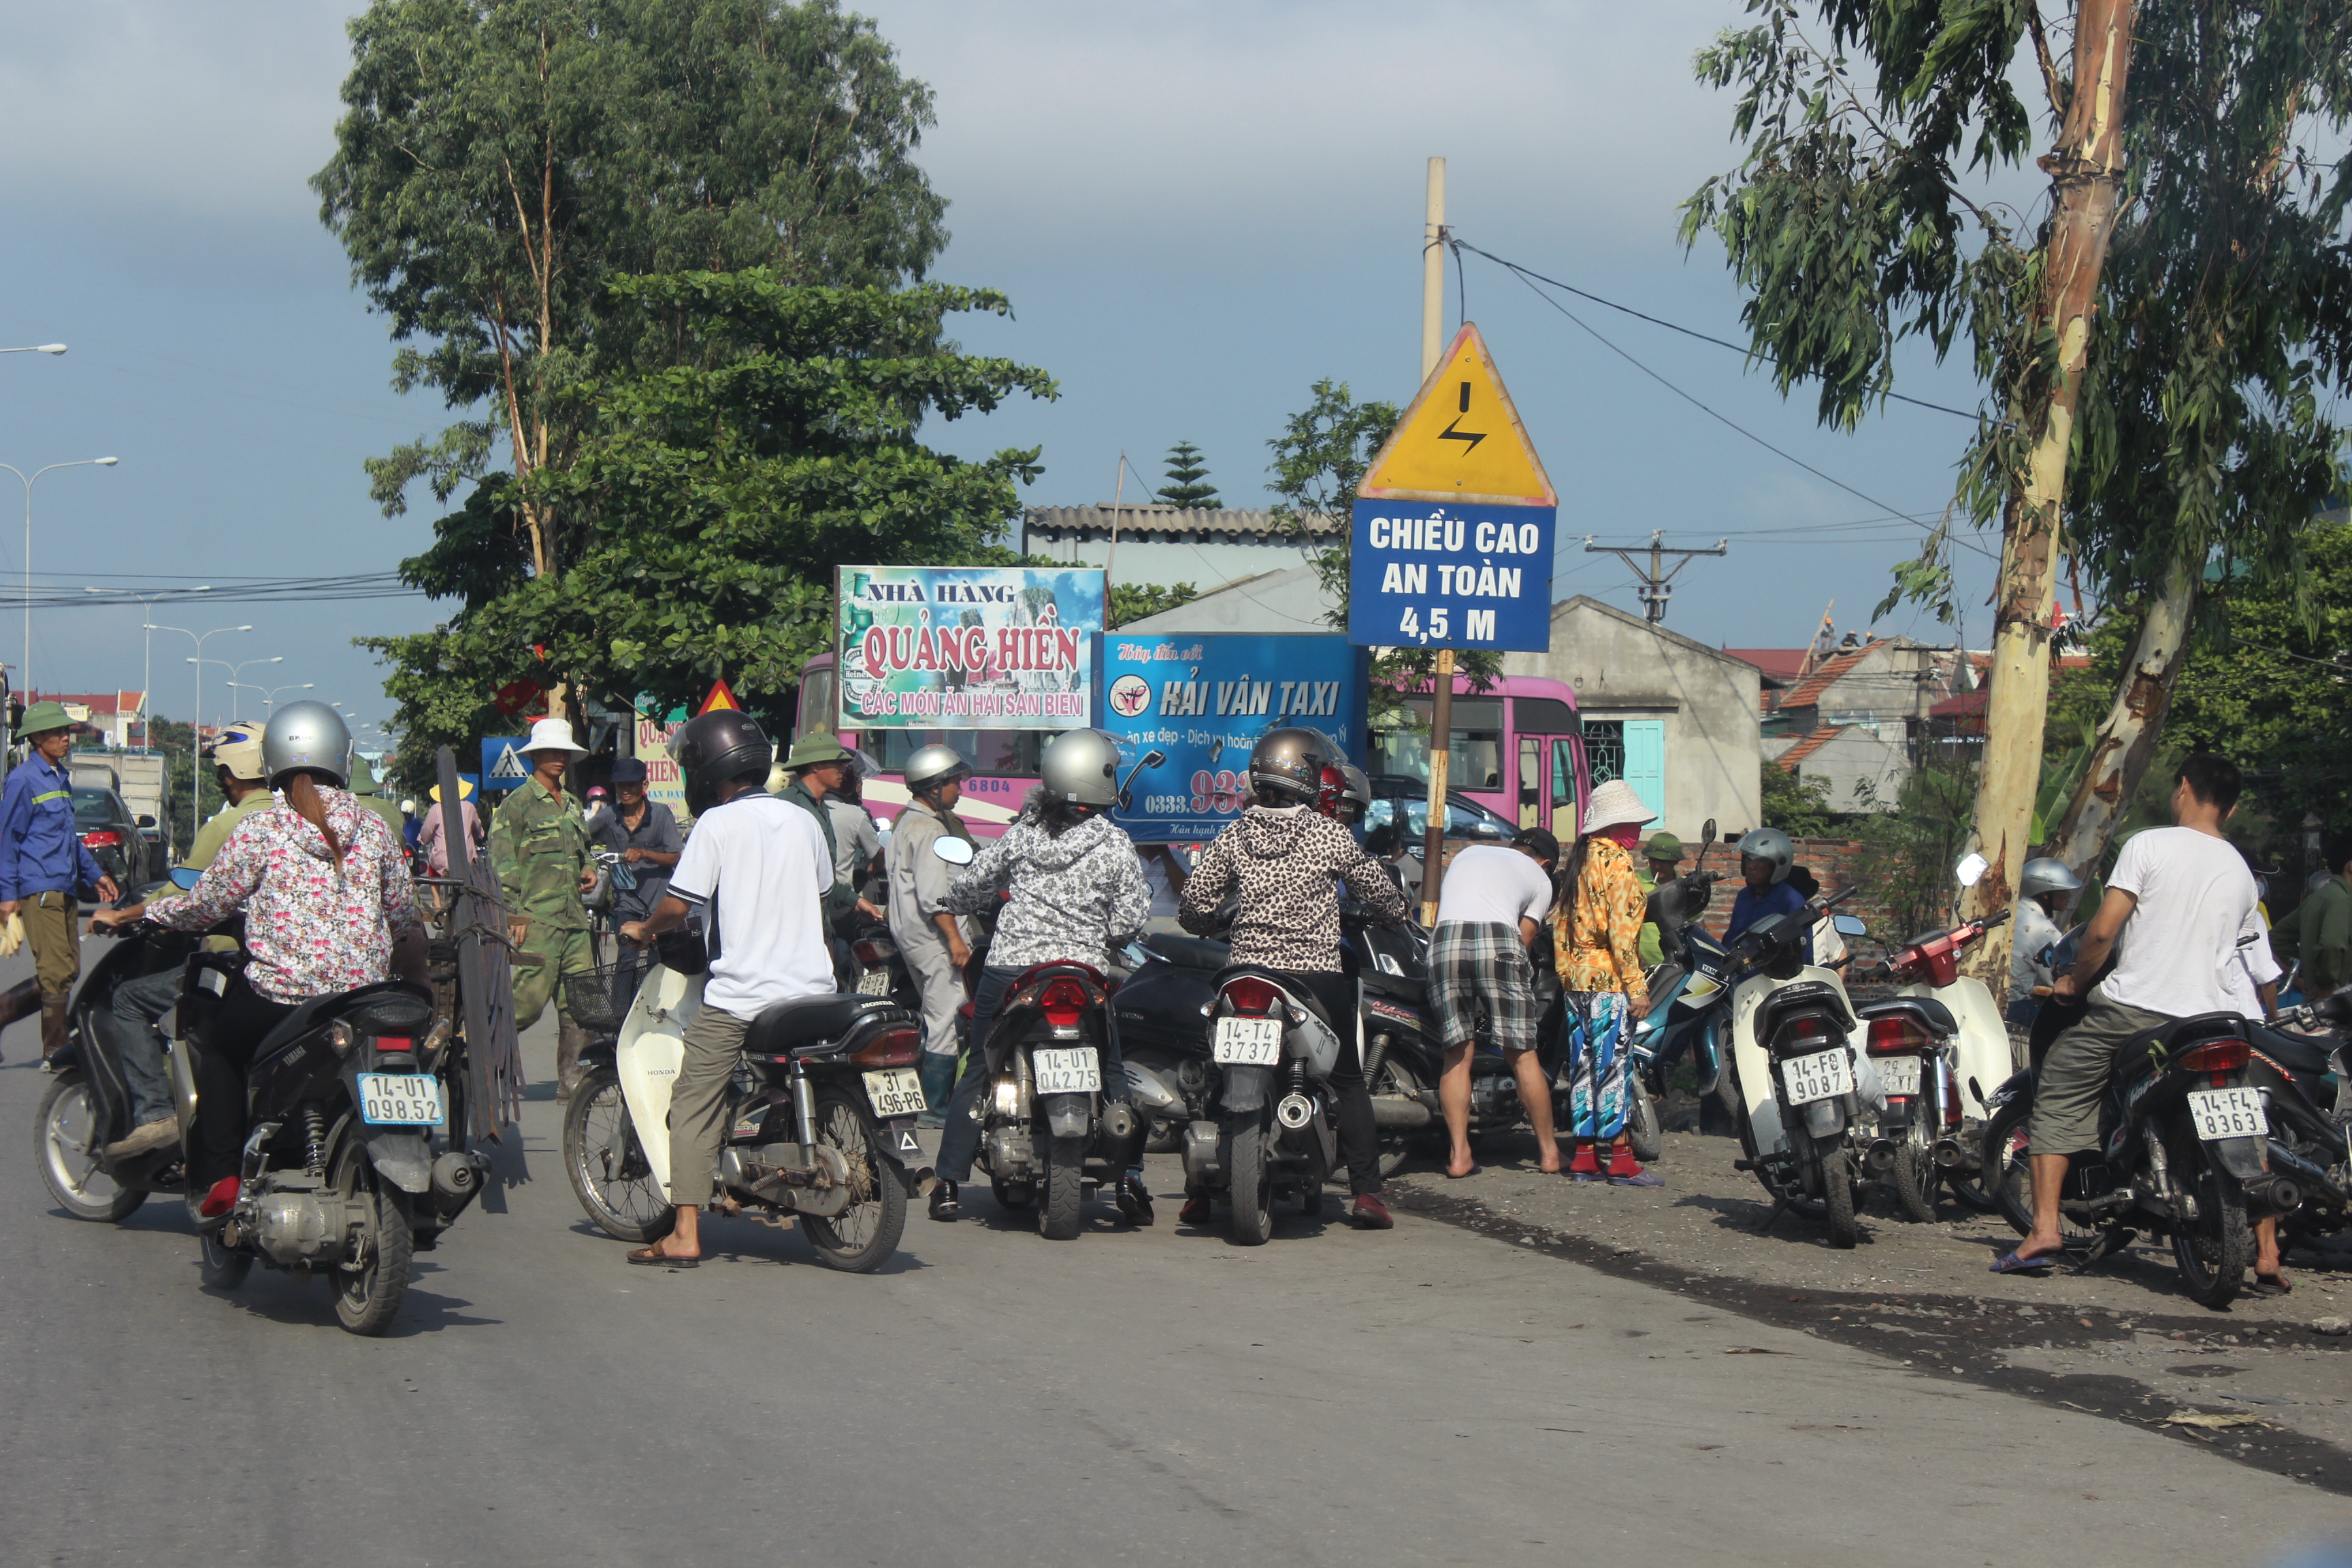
(650, 1260)
(2274, 1285)
(2013, 1264)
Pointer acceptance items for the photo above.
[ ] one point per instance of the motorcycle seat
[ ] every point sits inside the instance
(1933, 1016)
(2303, 1056)
(809, 1024)
(309, 1016)
(2177, 1034)
(1189, 951)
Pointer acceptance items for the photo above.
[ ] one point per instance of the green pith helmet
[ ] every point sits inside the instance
(362, 775)
(816, 747)
(43, 716)
(1664, 847)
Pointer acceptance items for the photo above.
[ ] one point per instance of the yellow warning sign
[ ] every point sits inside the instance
(1461, 440)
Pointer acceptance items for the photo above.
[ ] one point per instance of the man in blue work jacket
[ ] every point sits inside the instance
(42, 861)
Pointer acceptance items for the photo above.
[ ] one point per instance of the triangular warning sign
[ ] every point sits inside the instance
(720, 699)
(1461, 440)
(510, 765)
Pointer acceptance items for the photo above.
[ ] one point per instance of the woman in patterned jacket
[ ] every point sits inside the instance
(326, 899)
(1596, 943)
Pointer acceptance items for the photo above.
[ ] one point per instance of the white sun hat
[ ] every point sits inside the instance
(554, 735)
(1614, 803)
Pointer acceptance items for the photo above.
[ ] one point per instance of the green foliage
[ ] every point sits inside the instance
(1320, 459)
(499, 163)
(1133, 601)
(1910, 845)
(712, 499)
(2225, 309)
(1188, 476)
(1799, 807)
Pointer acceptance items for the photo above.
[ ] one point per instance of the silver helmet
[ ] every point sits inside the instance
(2044, 875)
(306, 737)
(1770, 843)
(933, 767)
(1082, 768)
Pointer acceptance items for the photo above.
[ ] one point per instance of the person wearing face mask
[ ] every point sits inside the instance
(1596, 947)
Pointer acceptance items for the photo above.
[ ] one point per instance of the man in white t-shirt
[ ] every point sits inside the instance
(1492, 903)
(2181, 898)
(758, 867)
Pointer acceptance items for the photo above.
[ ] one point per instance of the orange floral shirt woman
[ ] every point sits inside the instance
(1598, 946)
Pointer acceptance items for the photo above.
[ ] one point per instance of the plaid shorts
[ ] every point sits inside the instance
(1482, 962)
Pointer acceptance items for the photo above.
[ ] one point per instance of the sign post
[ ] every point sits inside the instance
(1451, 545)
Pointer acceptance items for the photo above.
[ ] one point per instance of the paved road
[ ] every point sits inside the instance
(1425, 1397)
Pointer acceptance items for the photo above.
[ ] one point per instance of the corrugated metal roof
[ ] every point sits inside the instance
(1230, 524)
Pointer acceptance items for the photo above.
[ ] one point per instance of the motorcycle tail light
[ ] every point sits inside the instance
(1896, 1036)
(1809, 1032)
(1063, 1001)
(2216, 1056)
(395, 1043)
(1250, 994)
(869, 953)
(890, 1048)
(340, 1035)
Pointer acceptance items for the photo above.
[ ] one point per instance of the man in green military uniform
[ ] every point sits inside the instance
(364, 787)
(1664, 855)
(819, 765)
(539, 847)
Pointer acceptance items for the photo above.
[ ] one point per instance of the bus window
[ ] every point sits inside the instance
(816, 710)
(1010, 753)
(1530, 778)
(1475, 760)
(1563, 782)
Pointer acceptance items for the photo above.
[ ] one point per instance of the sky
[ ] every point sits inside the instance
(1198, 209)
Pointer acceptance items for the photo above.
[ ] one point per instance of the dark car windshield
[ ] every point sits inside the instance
(93, 808)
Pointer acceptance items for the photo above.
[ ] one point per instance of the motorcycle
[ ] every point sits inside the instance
(1801, 1087)
(1274, 1136)
(1162, 1009)
(1938, 1125)
(819, 1118)
(2310, 1128)
(1046, 1133)
(2185, 1138)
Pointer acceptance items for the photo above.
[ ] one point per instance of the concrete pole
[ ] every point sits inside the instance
(1441, 714)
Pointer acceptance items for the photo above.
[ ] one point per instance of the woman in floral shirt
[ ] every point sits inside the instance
(1596, 940)
(324, 889)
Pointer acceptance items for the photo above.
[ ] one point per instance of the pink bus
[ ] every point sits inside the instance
(1518, 760)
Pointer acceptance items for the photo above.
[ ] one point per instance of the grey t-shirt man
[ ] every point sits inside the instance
(656, 830)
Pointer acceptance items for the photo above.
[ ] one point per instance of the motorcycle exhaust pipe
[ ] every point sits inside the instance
(1396, 1110)
(455, 1181)
(2273, 1194)
(1880, 1156)
(1951, 1154)
(2311, 1179)
(1295, 1111)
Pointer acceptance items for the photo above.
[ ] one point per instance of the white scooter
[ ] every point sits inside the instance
(1802, 1084)
(819, 1121)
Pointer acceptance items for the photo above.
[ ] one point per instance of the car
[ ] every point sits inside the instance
(113, 836)
(1465, 820)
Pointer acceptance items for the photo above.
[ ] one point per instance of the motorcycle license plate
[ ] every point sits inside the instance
(896, 1091)
(1818, 1077)
(1248, 1042)
(874, 983)
(2228, 1113)
(400, 1100)
(1073, 1070)
(1898, 1075)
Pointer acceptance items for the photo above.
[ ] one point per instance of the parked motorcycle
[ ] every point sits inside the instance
(1047, 1135)
(1275, 1134)
(1162, 1009)
(820, 1119)
(1802, 1089)
(2310, 1124)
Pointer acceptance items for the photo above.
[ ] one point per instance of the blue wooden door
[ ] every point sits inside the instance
(1645, 761)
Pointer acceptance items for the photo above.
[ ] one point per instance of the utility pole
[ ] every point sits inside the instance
(1441, 705)
(1657, 582)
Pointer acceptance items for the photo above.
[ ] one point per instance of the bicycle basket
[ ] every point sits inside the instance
(600, 998)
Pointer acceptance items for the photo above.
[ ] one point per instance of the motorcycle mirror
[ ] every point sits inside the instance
(952, 850)
(1972, 868)
(1849, 925)
(1706, 834)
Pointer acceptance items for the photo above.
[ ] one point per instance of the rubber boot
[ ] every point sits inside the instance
(53, 1026)
(21, 1000)
(570, 1039)
(938, 1074)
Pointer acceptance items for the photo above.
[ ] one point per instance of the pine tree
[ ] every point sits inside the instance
(1188, 478)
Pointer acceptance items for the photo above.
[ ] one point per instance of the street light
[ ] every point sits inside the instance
(238, 668)
(146, 616)
(270, 694)
(28, 482)
(196, 720)
(38, 349)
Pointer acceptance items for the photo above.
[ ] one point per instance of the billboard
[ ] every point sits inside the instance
(967, 648)
(663, 782)
(1204, 698)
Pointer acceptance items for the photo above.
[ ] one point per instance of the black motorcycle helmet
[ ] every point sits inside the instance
(711, 748)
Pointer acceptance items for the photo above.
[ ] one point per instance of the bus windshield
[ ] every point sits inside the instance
(1474, 758)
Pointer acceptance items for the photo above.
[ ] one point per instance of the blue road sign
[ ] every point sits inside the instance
(1442, 574)
(503, 767)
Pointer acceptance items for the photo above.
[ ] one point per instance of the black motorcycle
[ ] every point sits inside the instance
(2185, 1139)
(2310, 1126)
(1275, 1134)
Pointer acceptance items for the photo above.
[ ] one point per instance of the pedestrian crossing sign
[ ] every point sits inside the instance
(503, 766)
(1461, 440)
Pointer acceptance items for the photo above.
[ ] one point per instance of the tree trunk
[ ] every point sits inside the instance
(2085, 171)
(2127, 737)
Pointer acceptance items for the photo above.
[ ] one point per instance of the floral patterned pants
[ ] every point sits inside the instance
(1599, 1028)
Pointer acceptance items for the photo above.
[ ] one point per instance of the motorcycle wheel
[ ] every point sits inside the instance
(65, 1145)
(1012, 1195)
(1166, 1137)
(2008, 1173)
(368, 1298)
(1837, 1197)
(1252, 1181)
(1915, 1177)
(2214, 1253)
(622, 1196)
(1642, 1126)
(1062, 1215)
(219, 1268)
(860, 1238)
